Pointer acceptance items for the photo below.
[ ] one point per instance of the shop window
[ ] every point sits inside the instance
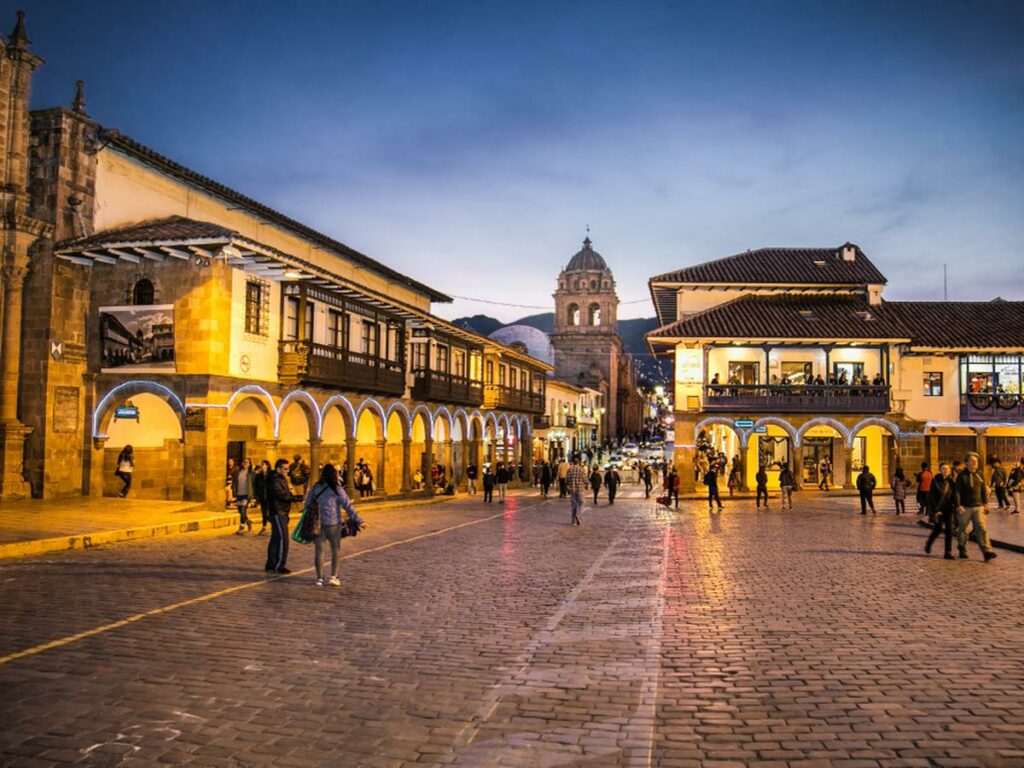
(744, 373)
(142, 292)
(933, 384)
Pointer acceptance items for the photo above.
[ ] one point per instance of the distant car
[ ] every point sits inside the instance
(631, 449)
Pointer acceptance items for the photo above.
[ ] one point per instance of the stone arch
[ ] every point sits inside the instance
(399, 410)
(422, 414)
(873, 421)
(369, 404)
(573, 314)
(476, 425)
(721, 420)
(254, 392)
(782, 424)
(396, 431)
(442, 411)
(823, 421)
(105, 409)
(339, 405)
(594, 314)
(309, 407)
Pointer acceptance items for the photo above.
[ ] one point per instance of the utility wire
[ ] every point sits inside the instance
(528, 306)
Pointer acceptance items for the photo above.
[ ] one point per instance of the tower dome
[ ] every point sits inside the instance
(586, 259)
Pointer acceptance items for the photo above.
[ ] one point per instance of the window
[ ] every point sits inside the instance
(593, 285)
(335, 328)
(310, 313)
(369, 338)
(522, 381)
(419, 356)
(142, 292)
(257, 307)
(574, 314)
(933, 384)
(442, 359)
(291, 317)
(797, 373)
(847, 373)
(744, 373)
(595, 314)
(459, 363)
(502, 373)
(489, 378)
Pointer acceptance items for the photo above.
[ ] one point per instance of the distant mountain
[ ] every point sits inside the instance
(631, 331)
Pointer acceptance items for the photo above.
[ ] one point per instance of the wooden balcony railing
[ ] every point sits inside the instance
(304, 362)
(981, 406)
(497, 396)
(446, 388)
(770, 398)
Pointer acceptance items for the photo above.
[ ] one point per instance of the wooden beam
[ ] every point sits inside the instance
(151, 255)
(183, 255)
(100, 257)
(133, 258)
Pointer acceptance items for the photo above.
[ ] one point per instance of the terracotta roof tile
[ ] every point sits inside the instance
(169, 230)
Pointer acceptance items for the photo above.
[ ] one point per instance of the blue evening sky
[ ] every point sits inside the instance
(470, 143)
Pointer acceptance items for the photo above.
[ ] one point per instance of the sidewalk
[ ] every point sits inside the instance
(38, 526)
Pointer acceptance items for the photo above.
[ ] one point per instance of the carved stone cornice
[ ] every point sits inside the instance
(31, 226)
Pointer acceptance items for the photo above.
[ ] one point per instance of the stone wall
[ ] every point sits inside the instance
(158, 474)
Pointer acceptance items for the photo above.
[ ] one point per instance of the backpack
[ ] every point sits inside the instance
(298, 474)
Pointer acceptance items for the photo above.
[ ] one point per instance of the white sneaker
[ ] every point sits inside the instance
(320, 583)
(335, 581)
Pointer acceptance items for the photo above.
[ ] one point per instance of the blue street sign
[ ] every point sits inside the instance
(126, 412)
(744, 423)
(761, 430)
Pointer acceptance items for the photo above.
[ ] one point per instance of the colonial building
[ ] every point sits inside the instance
(156, 307)
(791, 355)
(571, 422)
(588, 350)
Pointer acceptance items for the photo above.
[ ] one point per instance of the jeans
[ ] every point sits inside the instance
(576, 503)
(1001, 496)
(975, 516)
(1018, 500)
(472, 486)
(865, 502)
(823, 485)
(544, 488)
(277, 547)
(126, 478)
(762, 491)
(943, 524)
(901, 506)
(562, 489)
(332, 533)
(488, 493)
(596, 491)
(265, 512)
(611, 493)
(787, 497)
(501, 491)
(243, 505)
(713, 496)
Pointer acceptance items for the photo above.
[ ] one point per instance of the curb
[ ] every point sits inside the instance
(996, 543)
(228, 521)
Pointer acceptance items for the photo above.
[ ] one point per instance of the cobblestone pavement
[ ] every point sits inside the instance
(481, 635)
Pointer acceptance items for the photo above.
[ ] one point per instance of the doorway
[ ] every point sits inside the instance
(812, 451)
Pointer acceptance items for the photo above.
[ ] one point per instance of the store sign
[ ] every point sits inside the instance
(761, 431)
(126, 412)
(744, 423)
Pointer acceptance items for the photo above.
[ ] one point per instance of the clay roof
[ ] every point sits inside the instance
(787, 317)
(799, 266)
(173, 229)
(131, 147)
(980, 324)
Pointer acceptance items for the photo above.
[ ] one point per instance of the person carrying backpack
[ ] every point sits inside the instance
(866, 483)
(327, 498)
(298, 474)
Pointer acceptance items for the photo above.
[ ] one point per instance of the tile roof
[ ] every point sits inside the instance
(962, 324)
(173, 229)
(781, 265)
(131, 147)
(982, 324)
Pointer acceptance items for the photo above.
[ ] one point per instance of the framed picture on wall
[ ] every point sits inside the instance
(137, 338)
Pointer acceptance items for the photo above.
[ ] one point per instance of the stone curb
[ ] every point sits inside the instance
(996, 543)
(228, 521)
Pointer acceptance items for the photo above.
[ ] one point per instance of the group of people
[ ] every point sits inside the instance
(842, 380)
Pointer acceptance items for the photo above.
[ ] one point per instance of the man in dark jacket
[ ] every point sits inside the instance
(866, 483)
(279, 497)
(761, 478)
(999, 484)
(970, 495)
(711, 481)
(940, 503)
(611, 482)
(471, 473)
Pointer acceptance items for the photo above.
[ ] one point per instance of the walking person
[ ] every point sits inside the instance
(940, 502)
(260, 486)
(1015, 485)
(501, 477)
(488, 483)
(471, 472)
(327, 498)
(786, 484)
(711, 481)
(243, 486)
(761, 478)
(999, 483)
(547, 475)
(561, 472)
(279, 494)
(924, 486)
(125, 468)
(734, 478)
(671, 485)
(899, 485)
(866, 483)
(298, 475)
(648, 475)
(575, 486)
(595, 482)
(611, 482)
(824, 472)
(229, 496)
(971, 498)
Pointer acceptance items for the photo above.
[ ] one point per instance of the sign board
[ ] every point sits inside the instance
(65, 409)
(126, 412)
(762, 430)
(744, 423)
(195, 419)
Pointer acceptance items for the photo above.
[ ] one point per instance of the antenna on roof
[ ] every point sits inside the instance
(945, 283)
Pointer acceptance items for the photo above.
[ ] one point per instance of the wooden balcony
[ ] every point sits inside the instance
(497, 396)
(303, 362)
(979, 406)
(446, 388)
(541, 421)
(765, 398)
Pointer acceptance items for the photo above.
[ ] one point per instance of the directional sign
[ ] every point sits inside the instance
(744, 423)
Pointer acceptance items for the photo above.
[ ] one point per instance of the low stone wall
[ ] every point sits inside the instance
(159, 472)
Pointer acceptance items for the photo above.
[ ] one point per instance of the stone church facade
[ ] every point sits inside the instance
(588, 350)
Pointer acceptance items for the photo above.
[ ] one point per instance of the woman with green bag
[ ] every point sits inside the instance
(327, 499)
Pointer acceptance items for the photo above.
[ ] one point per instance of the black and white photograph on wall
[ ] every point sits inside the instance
(139, 338)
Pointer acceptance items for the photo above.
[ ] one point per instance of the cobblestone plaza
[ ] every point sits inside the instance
(478, 635)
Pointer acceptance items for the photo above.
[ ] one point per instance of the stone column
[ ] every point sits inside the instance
(314, 458)
(849, 481)
(379, 472)
(95, 478)
(526, 446)
(350, 466)
(467, 457)
(12, 431)
(982, 449)
(426, 464)
(406, 465)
